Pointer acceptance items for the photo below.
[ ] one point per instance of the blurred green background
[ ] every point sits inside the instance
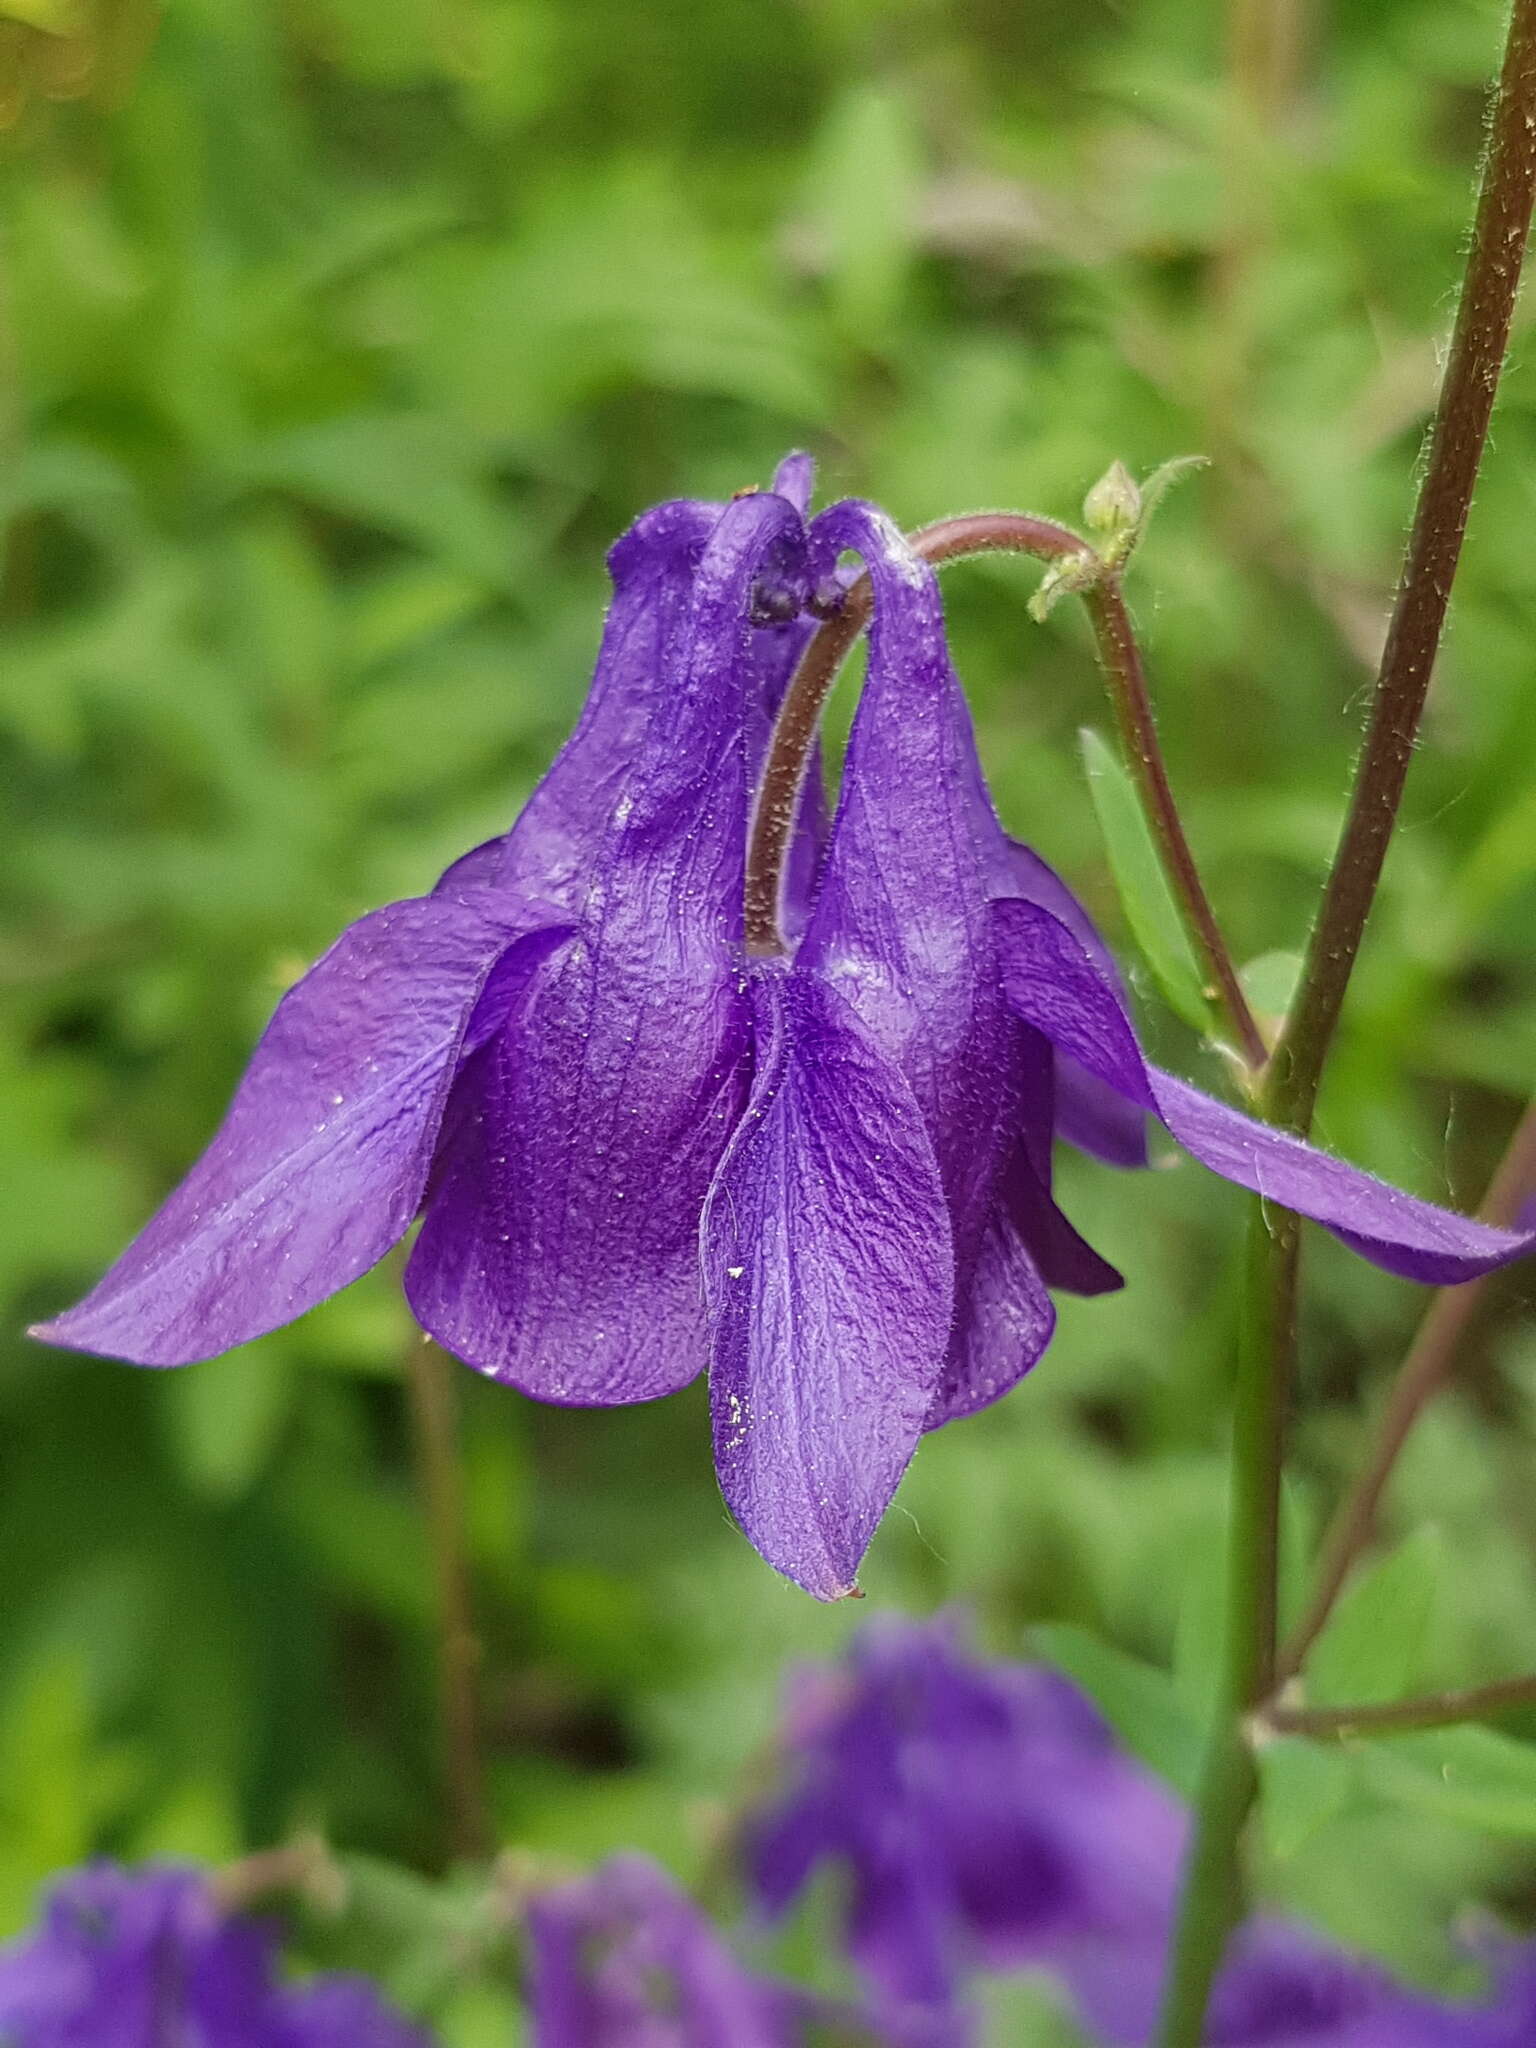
(337, 340)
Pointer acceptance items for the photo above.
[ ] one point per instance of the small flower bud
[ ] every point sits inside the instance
(1113, 506)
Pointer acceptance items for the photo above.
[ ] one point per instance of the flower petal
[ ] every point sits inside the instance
(546, 856)
(559, 1251)
(1089, 1115)
(1002, 1327)
(1054, 986)
(1065, 1259)
(560, 1248)
(829, 1276)
(320, 1163)
(900, 929)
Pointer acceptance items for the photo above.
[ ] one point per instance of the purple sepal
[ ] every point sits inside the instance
(320, 1162)
(901, 932)
(559, 1251)
(1055, 987)
(828, 1276)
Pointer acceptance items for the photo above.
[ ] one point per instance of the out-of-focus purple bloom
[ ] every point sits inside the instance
(637, 1152)
(982, 1818)
(1283, 1987)
(979, 1813)
(142, 1959)
(624, 1959)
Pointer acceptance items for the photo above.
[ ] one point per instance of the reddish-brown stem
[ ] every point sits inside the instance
(1456, 444)
(1434, 1710)
(950, 540)
(1422, 1374)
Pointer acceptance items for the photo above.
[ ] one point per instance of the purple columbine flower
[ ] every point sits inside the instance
(140, 1959)
(638, 1152)
(980, 1816)
(625, 1959)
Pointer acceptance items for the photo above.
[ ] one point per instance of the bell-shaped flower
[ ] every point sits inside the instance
(141, 1958)
(637, 1151)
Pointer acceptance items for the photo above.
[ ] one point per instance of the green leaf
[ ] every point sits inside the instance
(1476, 1776)
(1139, 1702)
(1303, 1785)
(1373, 1647)
(1145, 896)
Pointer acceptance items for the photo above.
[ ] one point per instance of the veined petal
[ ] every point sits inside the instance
(547, 855)
(1002, 1326)
(559, 1251)
(320, 1163)
(560, 1247)
(1054, 986)
(829, 1276)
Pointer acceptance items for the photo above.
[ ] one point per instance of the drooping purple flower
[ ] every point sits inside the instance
(625, 1959)
(979, 1815)
(637, 1152)
(141, 1959)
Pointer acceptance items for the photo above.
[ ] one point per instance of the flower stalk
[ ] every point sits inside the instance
(1399, 1717)
(1075, 566)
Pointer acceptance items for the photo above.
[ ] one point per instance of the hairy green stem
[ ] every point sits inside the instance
(1211, 1897)
(1457, 440)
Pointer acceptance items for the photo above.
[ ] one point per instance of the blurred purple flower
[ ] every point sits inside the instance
(638, 1153)
(140, 1959)
(980, 1815)
(982, 1818)
(625, 1959)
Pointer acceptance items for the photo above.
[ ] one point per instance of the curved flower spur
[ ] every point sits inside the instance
(820, 1168)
